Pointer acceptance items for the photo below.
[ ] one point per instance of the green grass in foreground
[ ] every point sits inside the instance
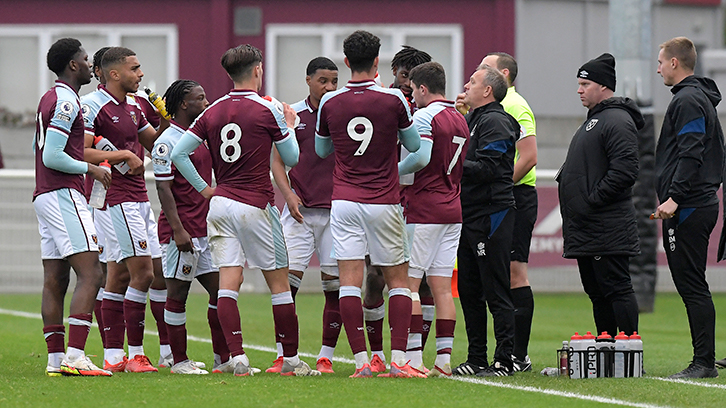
(665, 334)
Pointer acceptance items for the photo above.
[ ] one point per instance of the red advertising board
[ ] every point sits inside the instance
(546, 247)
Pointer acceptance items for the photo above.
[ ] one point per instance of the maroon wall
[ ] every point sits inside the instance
(489, 25)
(206, 27)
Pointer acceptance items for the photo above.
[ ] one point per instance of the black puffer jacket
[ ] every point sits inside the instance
(596, 180)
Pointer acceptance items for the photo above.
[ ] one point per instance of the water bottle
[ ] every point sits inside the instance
(564, 371)
(589, 344)
(621, 350)
(101, 143)
(98, 193)
(158, 102)
(578, 356)
(605, 344)
(636, 352)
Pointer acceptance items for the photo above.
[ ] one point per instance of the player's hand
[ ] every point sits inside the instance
(293, 205)
(290, 115)
(183, 241)
(100, 174)
(208, 192)
(135, 163)
(666, 210)
(460, 105)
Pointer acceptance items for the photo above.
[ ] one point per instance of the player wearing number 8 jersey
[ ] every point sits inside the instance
(364, 122)
(243, 223)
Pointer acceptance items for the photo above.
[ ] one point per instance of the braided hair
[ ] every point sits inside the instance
(176, 93)
(97, 58)
(409, 57)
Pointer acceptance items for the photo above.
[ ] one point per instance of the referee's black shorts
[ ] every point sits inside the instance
(524, 218)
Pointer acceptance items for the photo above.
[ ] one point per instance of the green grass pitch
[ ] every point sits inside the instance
(665, 335)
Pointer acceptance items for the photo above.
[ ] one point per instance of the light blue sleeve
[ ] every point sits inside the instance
(54, 156)
(323, 146)
(289, 149)
(180, 156)
(160, 156)
(409, 138)
(417, 160)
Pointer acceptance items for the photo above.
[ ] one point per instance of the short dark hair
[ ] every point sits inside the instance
(97, 58)
(361, 48)
(431, 74)
(494, 78)
(176, 93)
(409, 57)
(506, 61)
(239, 61)
(114, 56)
(61, 53)
(320, 63)
(682, 49)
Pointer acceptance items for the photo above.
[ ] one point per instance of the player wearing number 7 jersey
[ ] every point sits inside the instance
(433, 208)
(243, 224)
(363, 122)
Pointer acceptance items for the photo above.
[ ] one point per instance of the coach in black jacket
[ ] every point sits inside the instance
(488, 221)
(595, 189)
(688, 164)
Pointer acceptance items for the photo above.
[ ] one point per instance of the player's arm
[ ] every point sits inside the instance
(55, 157)
(527, 148)
(164, 175)
(283, 183)
(180, 156)
(410, 138)
(56, 137)
(417, 160)
(95, 156)
(182, 239)
(288, 149)
(323, 142)
(323, 146)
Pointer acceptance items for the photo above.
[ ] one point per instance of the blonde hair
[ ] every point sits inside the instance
(682, 49)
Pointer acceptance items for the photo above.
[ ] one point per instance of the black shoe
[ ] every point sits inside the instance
(521, 365)
(721, 363)
(496, 370)
(467, 368)
(696, 371)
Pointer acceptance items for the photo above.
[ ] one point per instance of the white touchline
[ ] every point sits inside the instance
(700, 384)
(557, 393)
(462, 379)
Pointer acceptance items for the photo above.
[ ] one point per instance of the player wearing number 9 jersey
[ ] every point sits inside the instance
(243, 224)
(362, 123)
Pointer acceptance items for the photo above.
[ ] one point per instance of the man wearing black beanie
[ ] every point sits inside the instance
(595, 191)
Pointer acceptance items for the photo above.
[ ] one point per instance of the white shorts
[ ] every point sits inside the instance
(185, 266)
(104, 230)
(433, 249)
(313, 235)
(135, 232)
(240, 233)
(65, 224)
(376, 229)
